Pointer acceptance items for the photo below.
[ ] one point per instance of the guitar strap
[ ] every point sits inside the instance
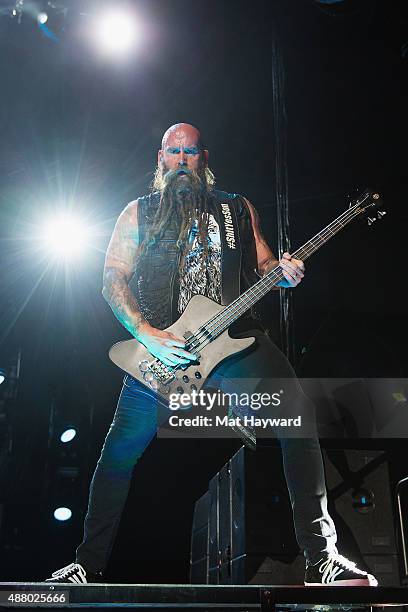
(231, 255)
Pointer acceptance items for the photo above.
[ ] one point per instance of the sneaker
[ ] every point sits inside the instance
(75, 573)
(336, 570)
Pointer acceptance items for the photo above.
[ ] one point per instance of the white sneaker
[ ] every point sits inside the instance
(336, 570)
(75, 573)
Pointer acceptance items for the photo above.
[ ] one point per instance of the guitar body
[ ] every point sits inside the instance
(132, 357)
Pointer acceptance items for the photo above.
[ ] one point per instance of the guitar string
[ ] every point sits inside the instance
(263, 286)
(274, 275)
(201, 336)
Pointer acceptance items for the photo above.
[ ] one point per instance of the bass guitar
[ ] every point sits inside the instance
(204, 323)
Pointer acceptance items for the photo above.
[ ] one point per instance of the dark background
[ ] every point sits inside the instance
(81, 132)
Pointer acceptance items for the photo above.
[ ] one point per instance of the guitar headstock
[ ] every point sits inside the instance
(369, 204)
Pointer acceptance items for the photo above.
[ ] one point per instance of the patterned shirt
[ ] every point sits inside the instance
(196, 279)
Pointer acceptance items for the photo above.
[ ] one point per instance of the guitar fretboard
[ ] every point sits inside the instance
(218, 324)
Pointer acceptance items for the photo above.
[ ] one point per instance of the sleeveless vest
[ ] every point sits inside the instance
(156, 278)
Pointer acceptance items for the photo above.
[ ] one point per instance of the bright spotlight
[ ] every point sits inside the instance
(2, 376)
(62, 514)
(68, 435)
(42, 18)
(116, 32)
(65, 236)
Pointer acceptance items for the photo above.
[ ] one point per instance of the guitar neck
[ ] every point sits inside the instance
(252, 295)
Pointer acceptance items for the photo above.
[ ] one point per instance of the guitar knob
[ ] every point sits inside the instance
(153, 384)
(143, 365)
(371, 220)
(381, 213)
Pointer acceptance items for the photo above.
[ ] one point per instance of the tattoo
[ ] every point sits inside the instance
(123, 246)
(264, 254)
(120, 264)
(267, 265)
(120, 298)
(266, 258)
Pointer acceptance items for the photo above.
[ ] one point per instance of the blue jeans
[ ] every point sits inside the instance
(135, 424)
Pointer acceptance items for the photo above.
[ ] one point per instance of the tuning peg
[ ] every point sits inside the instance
(381, 213)
(371, 220)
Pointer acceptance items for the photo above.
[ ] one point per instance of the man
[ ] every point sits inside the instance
(166, 247)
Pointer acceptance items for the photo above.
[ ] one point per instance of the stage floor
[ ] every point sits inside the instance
(198, 597)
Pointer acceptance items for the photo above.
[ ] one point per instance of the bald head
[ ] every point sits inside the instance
(182, 147)
(180, 132)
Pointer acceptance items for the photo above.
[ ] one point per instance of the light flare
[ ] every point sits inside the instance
(116, 32)
(65, 236)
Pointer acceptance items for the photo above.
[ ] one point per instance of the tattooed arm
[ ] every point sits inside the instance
(293, 269)
(120, 264)
(265, 257)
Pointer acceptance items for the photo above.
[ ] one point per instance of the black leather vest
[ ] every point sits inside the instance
(155, 282)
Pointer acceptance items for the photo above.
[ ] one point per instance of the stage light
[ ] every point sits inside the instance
(68, 435)
(2, 376)
(116, 32)
(18, 10)
(363, 500)
(62, 514)
(42, 18)
(65, 236)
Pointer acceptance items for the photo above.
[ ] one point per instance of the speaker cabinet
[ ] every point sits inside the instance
(200, 541)
(242, 528)
(360, 502)
(251, 533)
(213, 531)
